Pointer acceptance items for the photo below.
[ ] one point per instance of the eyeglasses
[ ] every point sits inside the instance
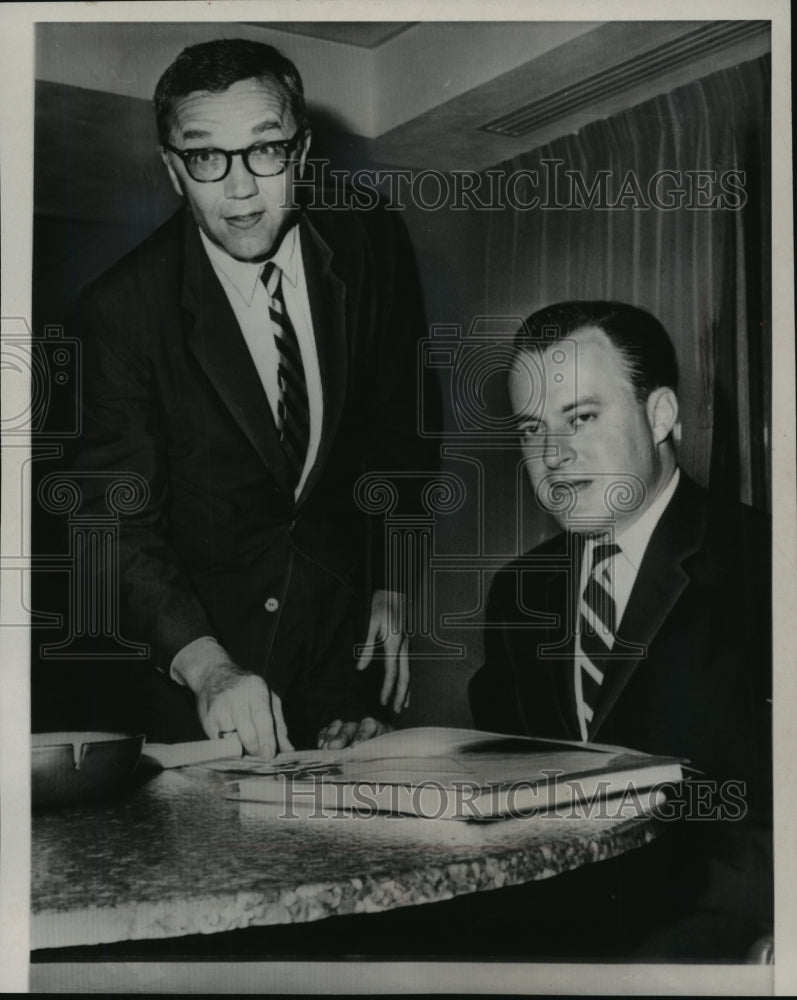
(263, 159)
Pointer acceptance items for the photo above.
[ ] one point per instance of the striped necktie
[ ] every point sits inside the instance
(597, 625)
(293, 408)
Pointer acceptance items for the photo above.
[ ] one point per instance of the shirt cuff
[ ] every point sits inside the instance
(204, 653)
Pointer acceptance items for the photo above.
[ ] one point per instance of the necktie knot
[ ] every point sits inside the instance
(603, 552)
(270, 276)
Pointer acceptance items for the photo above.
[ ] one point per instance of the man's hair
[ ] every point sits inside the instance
(216, 66)
(643, 343)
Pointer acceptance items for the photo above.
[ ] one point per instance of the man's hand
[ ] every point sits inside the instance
(230, 699)
(343, 734)
(388, 626)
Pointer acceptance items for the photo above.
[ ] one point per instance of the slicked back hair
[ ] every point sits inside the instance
(641, 340)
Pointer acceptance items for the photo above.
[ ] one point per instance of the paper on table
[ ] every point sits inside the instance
(454, 774)
(196, 752)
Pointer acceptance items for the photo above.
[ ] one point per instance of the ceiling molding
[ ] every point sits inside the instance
(361, 34)
(644, 66)
(452, 136)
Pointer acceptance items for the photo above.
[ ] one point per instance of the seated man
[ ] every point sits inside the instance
(646, 623)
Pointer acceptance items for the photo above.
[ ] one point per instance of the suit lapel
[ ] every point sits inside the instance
(555, 659)
(567, 685)
(327, 295)
(660, 582)
(216, 340)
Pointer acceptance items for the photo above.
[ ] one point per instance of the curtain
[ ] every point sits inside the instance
(678, 223)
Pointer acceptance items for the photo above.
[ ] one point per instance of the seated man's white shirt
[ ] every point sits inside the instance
(248, 298)
(620, 572)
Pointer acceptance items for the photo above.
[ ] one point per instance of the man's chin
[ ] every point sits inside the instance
(584, 513)
(249, 251)
(250, 245)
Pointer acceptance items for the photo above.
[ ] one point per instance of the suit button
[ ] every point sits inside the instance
(271, 604)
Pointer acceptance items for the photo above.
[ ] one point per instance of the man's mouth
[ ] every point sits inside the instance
(244, 221)
(570, 484)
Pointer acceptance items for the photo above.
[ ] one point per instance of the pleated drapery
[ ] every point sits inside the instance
(702, 266)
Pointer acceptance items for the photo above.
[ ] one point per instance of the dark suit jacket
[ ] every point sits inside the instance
(700, 611)
(172, 395)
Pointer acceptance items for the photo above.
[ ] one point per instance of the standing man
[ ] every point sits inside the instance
(249, 361)
(646, 622)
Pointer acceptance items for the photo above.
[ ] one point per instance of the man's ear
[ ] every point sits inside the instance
(178, 187)
(662, 413)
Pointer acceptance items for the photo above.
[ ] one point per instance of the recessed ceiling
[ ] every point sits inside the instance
(365, 34)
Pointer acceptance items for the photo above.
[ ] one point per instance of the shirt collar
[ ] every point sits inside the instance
(244, 275)
(634, 540)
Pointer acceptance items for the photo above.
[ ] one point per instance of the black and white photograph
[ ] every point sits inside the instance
(399, 539)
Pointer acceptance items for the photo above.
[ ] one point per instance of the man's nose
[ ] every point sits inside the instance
(558, 451)
(239, 182)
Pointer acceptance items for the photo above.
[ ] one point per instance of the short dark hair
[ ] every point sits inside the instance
(644, 344)
(216, 66)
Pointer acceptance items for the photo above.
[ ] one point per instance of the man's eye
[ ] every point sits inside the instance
(267, 149)
(530, 430)
(204, 156)
(583, 418)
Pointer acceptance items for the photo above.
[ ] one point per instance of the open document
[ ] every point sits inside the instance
(451, 774)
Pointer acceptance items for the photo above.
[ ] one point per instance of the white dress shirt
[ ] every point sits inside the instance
(249, 300)
(619, 573)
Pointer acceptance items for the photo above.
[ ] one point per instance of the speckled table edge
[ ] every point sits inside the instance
(210, 914)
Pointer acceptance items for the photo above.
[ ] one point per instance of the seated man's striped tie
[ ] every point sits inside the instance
(597, 625)
(293, 408)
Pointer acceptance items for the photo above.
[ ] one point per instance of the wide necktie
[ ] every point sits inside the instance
(293, 408)
(597, 625)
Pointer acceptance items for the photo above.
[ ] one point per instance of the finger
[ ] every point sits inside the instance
(367, 729)
(217, 718)
(344, 736)
(391, 669)
(329, 732)
(406, 704)
(403, 681)
(283, 742)
(370, 645)
(244, 725)
(261, 715)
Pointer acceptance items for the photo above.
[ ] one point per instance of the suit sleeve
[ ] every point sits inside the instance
(492, 691)
(397, 439)
(122, 442)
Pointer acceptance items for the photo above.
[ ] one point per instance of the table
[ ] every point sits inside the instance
(173, 857)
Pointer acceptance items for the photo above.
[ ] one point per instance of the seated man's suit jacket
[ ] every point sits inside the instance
(220, 546)
(700, 615)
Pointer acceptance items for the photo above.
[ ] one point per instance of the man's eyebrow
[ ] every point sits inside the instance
(267, 126)
(200, 133)
(584, 401)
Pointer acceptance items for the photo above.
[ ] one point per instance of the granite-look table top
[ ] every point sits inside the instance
(173, 857)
